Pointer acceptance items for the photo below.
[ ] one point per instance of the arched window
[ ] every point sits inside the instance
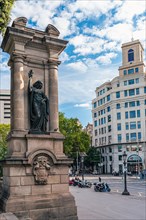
(130, 55)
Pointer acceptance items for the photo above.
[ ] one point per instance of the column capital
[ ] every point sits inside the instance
(54, 62)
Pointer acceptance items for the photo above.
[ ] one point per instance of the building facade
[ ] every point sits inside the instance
(5, 109)
(119, 114)
(89, 130)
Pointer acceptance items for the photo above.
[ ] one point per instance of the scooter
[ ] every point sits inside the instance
(84, 184)
(101, 187)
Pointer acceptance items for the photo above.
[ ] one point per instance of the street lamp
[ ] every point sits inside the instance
(82, 155)
(125, 192)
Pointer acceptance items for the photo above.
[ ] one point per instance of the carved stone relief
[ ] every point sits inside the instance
(41, 168)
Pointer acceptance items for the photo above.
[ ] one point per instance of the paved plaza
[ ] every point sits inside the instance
(93, 205)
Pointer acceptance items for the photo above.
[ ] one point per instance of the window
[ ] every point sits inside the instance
(137, 80)
(117, 95)
(136, 70)
(110, 150)
(132, 114)
(119, 148)
(127, 137)
(133, 136)
(139, 135)
(138, 124)
(145, 101)
(95, 115)
(94, 104)
(125, 83)
(119, 137)
(110, 158)
(119, 126)
(125, 93)
(125, 72)
(95, 123)
(118, 84)
(127, 126)
(109, 128)
(109, 118)
(131, 81)
(108, 98)
(109, 139)
(126, 104)
(118, 116)
(145, 89)
(138, 103)
(130, 71)
(137, 91)
(120, 157)
(138, 113)
(95, 132)
(118, 106)
(130, 55)
(108, 109)
(131, 92)
(131, 104)
(126, 115)
(133, 125)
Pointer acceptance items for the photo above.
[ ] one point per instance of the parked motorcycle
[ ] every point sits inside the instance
(84, 184)
(101, 187)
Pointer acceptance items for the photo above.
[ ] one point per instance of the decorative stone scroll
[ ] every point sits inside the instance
(41, 167)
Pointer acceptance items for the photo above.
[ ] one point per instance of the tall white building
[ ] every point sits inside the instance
(5, 109)
(119, 114)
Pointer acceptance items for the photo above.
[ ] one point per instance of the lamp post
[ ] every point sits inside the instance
(125, 192)
(82, 154)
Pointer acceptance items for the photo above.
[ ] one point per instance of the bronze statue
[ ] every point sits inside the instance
(39, 106)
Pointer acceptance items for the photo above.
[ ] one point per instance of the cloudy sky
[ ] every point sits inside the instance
(95, 30)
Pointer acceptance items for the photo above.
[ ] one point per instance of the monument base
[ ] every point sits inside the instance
(55, 206)
(36, 186)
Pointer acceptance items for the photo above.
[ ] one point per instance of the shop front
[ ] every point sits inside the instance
(134, 164)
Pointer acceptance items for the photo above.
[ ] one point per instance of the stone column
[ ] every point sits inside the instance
(17, 94)
(53, 95)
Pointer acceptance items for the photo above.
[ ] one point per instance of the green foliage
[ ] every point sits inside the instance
(75, 138)
(5, 9)
(93, 157)
(4, 130)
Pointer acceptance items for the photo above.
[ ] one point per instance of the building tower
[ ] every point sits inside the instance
(119, 114)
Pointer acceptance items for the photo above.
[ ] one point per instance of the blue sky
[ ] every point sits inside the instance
(95, 31)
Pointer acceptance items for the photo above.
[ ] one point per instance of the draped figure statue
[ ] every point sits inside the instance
(38, 106)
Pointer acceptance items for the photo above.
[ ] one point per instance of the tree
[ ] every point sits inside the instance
(93, 157)
(75, 138)
(4, 130)
(5, 9)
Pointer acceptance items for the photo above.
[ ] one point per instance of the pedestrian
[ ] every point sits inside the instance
(99, 179)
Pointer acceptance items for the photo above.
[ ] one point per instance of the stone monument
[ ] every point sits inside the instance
(35, 171)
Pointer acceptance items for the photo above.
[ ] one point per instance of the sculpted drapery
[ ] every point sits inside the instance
(38, 106)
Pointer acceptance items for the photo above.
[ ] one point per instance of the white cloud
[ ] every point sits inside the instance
(107, 58)
(85, 45)
(77, 66)
(83, 105)
(129, 9)
(63, 57)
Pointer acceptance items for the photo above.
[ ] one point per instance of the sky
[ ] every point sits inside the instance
(95, 31)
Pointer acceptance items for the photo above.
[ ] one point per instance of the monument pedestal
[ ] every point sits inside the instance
(30, 189)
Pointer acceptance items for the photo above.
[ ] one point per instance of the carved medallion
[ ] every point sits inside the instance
(41, 167)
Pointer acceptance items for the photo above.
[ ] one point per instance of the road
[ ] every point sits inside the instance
(93, 205)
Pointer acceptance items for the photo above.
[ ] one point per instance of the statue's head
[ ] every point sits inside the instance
(38, 84)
